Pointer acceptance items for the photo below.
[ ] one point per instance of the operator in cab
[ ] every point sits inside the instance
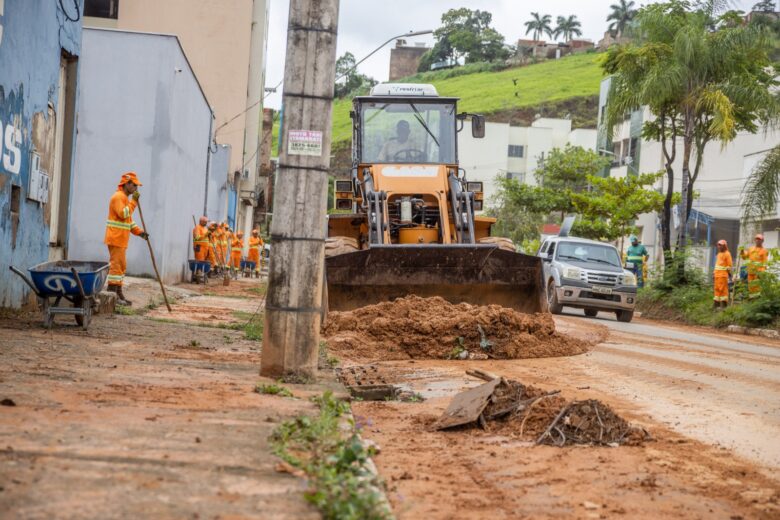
(400, 147)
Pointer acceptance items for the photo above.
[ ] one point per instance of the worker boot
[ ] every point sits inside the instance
(121, 300)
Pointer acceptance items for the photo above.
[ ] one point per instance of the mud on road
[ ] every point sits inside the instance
(686, 387)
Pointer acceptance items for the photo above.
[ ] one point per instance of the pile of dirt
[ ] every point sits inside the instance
(532, 414)
(433, 328)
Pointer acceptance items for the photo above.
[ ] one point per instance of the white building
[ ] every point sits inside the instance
(716, 210)
(516, 151)
(142, 109)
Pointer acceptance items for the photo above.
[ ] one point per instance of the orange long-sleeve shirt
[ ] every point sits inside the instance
(119, 223)
(756, 259)
(723, 265)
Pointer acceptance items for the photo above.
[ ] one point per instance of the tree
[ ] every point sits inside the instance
(761, 193)
(540, 25)
(700, 86)
(621, 16)
(351, 81)
(567, 183)
(568, 27)
(466, 34)
(765, 6)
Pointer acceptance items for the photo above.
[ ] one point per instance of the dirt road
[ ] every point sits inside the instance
(710, 400)
(144, 415)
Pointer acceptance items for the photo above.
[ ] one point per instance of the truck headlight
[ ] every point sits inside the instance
(628, 279)
(572, 272)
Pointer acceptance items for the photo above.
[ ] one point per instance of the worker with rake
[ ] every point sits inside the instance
(119, 225)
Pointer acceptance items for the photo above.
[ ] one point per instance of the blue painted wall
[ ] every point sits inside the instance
(34, 35)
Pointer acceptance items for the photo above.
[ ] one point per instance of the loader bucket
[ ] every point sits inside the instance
(476, 274)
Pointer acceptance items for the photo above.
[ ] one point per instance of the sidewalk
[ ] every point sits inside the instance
(141, 417)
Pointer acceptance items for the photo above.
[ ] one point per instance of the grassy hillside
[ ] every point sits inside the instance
(491, 92)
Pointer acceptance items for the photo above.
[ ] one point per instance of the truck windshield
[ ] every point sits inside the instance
(588, 253)
(408, 132)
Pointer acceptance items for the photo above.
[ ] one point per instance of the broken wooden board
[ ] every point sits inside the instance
(466, 407)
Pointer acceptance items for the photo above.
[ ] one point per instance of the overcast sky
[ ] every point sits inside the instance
(365, 24)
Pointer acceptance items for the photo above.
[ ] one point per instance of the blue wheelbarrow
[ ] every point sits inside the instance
(248, 268)
(200, 270)
(74, 281)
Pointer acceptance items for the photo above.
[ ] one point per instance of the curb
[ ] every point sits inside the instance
(764, 333)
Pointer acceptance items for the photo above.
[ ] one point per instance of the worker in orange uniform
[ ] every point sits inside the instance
(212, 258)
(236, 248)
(255, 244)
(119, 225)
(722, 274)
(226, 240)
(756, 258)
(200, 240)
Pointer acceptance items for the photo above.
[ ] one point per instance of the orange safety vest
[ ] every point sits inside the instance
(255, 243)
(119, 223)
(200, 236)
(723, 264)
(756, 259)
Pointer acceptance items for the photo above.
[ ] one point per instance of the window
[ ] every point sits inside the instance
(407, 132)
(585, 252)
(634, 149)
(102, 8)
(544, 247)
(516, 150)
(519, 177)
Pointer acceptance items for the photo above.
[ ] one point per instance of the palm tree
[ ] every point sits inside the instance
(539, 25)
(620, 17)
(568, 28)
(762, 189)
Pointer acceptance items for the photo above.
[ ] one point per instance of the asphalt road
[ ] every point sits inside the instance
(720, 388)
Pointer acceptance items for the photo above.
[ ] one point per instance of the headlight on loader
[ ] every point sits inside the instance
(572, 272)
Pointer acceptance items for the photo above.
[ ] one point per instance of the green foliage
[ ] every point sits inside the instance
(467, 34)
(691, 301)
(620, 18)
(568, 27)
(701, 82)
(761, 192)
(352, 80)
(539, 25)
(567, 183)
(488, 91)
(341, 484)
(273, 389)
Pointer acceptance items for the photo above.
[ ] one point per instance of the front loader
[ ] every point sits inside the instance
(406, 223)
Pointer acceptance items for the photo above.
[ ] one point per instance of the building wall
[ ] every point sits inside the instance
(488, 158)
(216, 196)
(33, 36)
(142, 110)
(216, 40)
(404, 61)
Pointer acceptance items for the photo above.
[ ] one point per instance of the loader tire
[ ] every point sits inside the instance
(335, 246)
(502, 242)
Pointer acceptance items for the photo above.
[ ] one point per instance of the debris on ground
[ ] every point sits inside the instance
(365, 382)
(7, 402)
(433, 328)
(509, 407)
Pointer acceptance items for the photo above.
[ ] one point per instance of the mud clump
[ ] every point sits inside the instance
(433, 328)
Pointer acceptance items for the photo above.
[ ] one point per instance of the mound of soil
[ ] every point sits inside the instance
(433, 328)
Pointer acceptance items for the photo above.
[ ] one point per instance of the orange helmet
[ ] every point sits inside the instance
(759, 237)
(240, 234)
(129, 177)
(722, 243)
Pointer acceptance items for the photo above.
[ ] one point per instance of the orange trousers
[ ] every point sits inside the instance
(117, 265)
(754, 286)
(235, 259)
(721, 288)
(201, 252)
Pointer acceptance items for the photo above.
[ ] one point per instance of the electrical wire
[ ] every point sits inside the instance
(78, 11)
(247, 109)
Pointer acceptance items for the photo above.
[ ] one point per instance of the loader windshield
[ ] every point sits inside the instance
(408, 132)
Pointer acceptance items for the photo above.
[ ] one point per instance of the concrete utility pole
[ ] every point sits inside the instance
(295, 277)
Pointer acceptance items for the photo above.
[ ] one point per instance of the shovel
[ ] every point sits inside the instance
(154, 263)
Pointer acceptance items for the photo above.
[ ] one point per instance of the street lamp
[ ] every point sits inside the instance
(405, 35)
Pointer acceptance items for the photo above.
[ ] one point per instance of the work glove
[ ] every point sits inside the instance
(136, 195)
(144, 234)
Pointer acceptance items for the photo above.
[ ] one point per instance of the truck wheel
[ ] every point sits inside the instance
(624, 316)
(552, 298)
(335, 246)
(591, 313)
(502, 242)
